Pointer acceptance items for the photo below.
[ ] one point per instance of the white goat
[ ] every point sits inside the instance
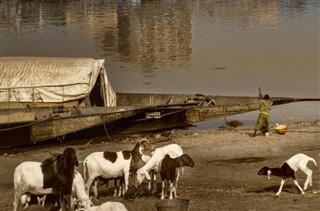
(113, 165)
(28, 179)
(154, 163)
(107, 206)
(79, 192)
(288, 169)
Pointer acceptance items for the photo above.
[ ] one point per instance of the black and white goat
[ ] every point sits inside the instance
(169, 173)
(288, 169)
(54, 175)
(110, 165)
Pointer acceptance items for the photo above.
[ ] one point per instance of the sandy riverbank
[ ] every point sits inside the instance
(224, 177)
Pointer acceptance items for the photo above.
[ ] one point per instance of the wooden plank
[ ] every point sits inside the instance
(58, 127)
(53, 128)
(17, 117)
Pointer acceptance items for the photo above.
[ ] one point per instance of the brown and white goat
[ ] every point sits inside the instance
(169, 173)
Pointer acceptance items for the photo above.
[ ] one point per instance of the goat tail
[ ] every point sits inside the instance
(314, 161)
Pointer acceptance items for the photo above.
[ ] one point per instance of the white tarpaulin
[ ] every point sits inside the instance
(51, 79)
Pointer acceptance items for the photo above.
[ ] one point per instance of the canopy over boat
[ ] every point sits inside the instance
(44, 80)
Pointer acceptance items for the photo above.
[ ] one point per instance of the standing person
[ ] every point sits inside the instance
(263, 120)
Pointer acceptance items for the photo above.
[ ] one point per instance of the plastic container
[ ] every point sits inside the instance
(281, 129)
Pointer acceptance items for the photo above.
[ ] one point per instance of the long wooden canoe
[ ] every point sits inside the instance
(23, 127)
(41, 98)
(179, 110)
(134, 113)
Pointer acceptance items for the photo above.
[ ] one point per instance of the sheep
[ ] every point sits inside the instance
(107, 206)
(153, 164)
(54, 175)
(288, 169)
(113, 164)
(168, 172)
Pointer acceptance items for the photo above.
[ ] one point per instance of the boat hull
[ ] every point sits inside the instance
(169, 118)
(56, 127)
(134, 113)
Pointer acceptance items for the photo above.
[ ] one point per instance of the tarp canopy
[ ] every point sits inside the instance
(52, 79)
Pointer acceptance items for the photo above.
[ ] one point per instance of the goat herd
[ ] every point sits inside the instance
(54, 184)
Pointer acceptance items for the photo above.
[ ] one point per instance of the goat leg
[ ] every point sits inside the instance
(297, 184)
(281, 186)
(163, 189)
(171, 189)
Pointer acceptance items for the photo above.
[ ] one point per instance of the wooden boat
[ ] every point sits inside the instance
(23, 127)
(44, 98)
(47, 98)
(169, 111)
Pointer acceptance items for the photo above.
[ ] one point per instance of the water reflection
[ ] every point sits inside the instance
(143, 32)
(235, 39)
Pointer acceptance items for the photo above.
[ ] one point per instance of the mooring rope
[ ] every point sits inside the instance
(105, 128)
(25, 125)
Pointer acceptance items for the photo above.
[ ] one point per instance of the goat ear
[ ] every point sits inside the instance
(269, 173)
(141, 149)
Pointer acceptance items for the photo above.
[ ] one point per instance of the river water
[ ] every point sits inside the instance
(224, 47)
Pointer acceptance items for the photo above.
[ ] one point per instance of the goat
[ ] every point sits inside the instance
(54, 175)
(80, 197)
(79, 191)
(113, 164)
(168, 172)
(288, 169)
(153, 164)
(107, 206)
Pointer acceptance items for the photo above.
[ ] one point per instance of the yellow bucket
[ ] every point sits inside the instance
(281, 129)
